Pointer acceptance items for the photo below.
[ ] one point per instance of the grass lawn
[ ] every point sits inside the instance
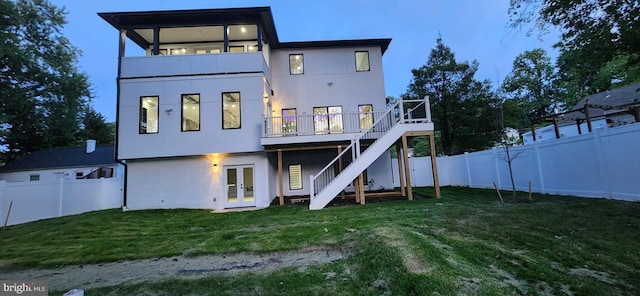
(465, 243)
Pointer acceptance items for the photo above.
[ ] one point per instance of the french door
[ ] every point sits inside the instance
(239, 186)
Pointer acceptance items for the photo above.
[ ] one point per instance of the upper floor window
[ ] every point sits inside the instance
(296, 64)
(191, 112)
(362, 61)
(230, 110)
(149, 115)
(178, 51)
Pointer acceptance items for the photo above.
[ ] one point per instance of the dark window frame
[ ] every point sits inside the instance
(182, 97)
(355, 55)
(140, 131)
(239, 110)
(290, 69)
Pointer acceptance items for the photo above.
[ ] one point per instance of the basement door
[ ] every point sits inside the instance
(239, 182)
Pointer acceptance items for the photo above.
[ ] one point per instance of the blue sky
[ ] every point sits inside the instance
(474, 30)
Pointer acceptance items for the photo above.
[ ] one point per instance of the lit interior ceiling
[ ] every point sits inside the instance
(200, 34)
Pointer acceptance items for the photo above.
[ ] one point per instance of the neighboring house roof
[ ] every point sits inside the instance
(62, 158)
(604, 103)
(135, 23)
(621, 96)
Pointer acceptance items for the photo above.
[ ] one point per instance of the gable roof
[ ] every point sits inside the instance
(62, 158)
(621, 96)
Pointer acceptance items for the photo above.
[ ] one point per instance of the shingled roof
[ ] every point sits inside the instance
(55, 158)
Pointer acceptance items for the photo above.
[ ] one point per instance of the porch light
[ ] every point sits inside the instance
(265, 98)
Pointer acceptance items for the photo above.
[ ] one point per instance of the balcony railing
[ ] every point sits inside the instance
(319, 124)
(194, 64)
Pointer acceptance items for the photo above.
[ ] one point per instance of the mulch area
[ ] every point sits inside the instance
(371, 197)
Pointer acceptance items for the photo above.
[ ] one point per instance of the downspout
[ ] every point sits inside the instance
(122, 39)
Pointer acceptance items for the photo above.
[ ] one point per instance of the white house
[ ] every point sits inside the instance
(218, 113)
(58, 182)
(90, 162)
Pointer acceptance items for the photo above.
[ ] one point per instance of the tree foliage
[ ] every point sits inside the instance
(531, 86)
(462, 107)
(599, 42)
(43, 93)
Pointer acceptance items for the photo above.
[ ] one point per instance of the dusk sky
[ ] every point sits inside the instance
(474, 30)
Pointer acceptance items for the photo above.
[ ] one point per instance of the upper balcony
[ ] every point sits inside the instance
(329, 127)
(194, 64)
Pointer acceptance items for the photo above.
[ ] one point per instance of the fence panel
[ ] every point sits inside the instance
(41, 200)
(603, 163)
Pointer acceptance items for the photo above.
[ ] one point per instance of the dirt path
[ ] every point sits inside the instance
(109, 274)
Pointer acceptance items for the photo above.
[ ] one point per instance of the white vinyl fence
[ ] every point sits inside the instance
(604, 163)
(41, 200)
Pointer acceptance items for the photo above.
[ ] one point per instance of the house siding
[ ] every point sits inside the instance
(191, 182)
(170, 140)
(329, 79)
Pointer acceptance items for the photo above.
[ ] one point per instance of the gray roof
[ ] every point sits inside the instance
(62, 158)
(616, 97)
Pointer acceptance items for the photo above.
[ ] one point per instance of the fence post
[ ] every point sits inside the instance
(538, 162)
(60, 195)
(466, 160)
(496, 159)
(3, 186)
(601, 163)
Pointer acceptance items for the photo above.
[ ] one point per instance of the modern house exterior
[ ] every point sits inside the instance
(218, 113)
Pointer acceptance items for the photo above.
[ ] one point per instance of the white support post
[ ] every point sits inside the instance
(311, 187)
(427, 107)
(401, 107)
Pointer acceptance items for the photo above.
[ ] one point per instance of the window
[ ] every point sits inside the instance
(362, 61)
(366, 116)
(296, 64)
(289, 122)
(35, 177)
(148, 115)
(327, 119)
(191, 112)
(178, 51)
(295, 177)
(239, 48)
(231, 110)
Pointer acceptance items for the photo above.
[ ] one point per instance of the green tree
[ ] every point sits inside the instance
(531, 86)
(599, 42)
(462, 107)
(42, 91)
(95, 127)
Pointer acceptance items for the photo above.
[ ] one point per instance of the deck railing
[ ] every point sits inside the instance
(403, 111)
(319, 124)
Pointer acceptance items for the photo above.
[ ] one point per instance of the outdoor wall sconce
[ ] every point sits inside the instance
(169, 111)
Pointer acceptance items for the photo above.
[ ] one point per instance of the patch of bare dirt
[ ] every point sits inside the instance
(598, 275)
(510, 280)
(158, 269)
(410, 259)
